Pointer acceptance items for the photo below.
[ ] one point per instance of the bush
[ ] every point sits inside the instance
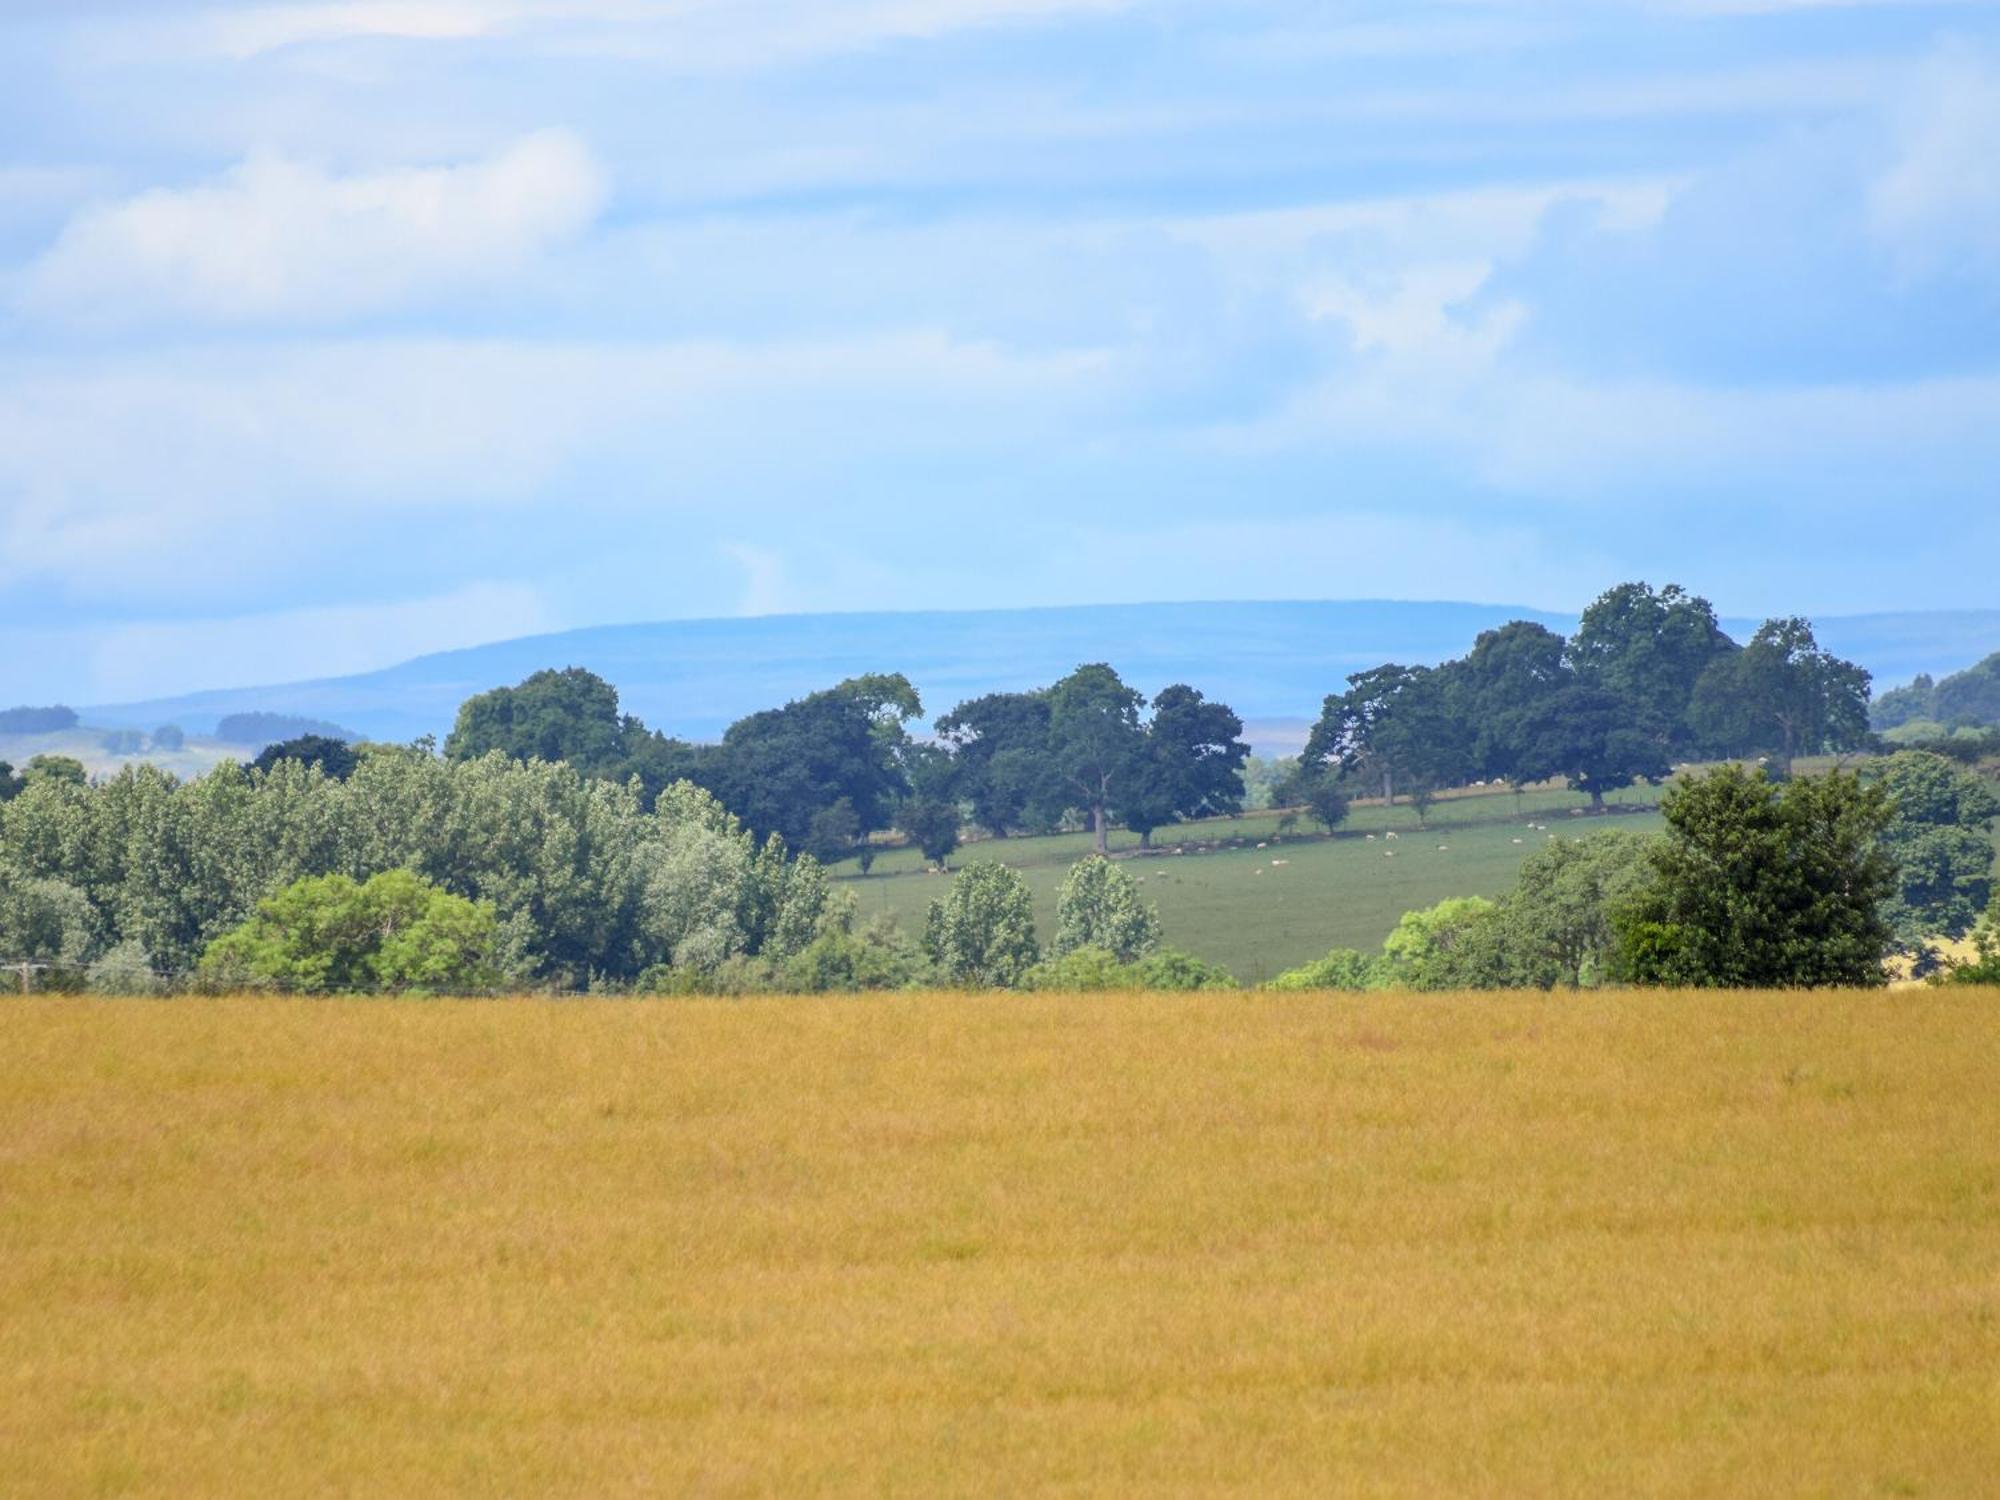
(52, 720)
(1342, 969)
(330, 934)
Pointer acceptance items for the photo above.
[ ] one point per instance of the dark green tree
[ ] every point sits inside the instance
(1762, 884)
(10, 784)
(1783, 694)
(169, 737)
(777, 769)
(1001, 743)
(570, 716)
(1396, 725)
(1096, 743)
(1650, 648)
(1191, 765)
(1507, 677)
(1600, 740)
(336, 758)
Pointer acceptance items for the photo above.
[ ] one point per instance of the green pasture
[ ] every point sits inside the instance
(1239, 893)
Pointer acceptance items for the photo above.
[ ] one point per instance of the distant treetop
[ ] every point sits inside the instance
(52, 720)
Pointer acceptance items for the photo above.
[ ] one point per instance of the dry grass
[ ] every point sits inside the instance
(1608, 1245)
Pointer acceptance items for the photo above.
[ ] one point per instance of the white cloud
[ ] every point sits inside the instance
(1938, 204)
(282, 240)
(156, 476)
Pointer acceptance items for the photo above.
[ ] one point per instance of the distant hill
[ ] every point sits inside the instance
(1273, 662)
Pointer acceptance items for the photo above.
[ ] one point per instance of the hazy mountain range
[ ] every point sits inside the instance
(1273, 662)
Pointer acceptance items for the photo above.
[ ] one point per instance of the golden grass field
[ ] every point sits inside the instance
(1605, 1245)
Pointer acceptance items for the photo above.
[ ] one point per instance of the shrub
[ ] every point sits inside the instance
(329, 933)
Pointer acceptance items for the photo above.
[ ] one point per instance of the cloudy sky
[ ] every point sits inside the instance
(336, 331)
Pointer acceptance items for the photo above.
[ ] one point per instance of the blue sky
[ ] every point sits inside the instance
(335, 332)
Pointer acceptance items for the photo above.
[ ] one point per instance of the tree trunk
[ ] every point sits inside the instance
(1388, 787)
(1146, 839)
(1597, 799)
(1098, 829)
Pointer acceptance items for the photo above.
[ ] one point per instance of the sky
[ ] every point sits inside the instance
(337, 331)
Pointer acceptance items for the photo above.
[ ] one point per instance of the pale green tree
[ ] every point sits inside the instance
(983, 931)
(1099, 906)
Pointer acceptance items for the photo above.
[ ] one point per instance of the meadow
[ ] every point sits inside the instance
(1387, 1245)
(1241, 894)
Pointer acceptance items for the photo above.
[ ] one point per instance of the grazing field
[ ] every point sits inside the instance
(1600, 1244)
(1225, 898)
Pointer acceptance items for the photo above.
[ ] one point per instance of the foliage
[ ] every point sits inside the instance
(832, 832)
(777, 769)
(10, 784)
(335, 758)
(932, 824)
(1556, 923)
(1968, 697)
(1651, 649)
(1099, 907)
(169, 737)
(1096, 743)
(66, 769)
(1190, 766)
(1784, 694)
(1939, 841)
(45, 921)
(52, 720)
(570, 716)
(1084, 970)
(983, 932)
(121, 742)
(1001, 745)
(1596, 738)
(1342, 969)
(1457, 944)
(1985, 967)
(1756, 884)
(329, 934)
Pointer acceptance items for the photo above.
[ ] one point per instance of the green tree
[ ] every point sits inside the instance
(65, 768)
(1762, 884)
(336, 758)
(1396, 725)
(331, 934)
(1001, 745)
(1556, 922)
(45, 922)
(983, 931)
(1456, 944)
(10, 784)
(1190, 766)
(1099, 906)
(571, 716)
(1342, 969)
(777, 769)
(1598, 739)
(1940, 840)
(1783, 693)
(831, 835)
(932, 824)
(1984, 968)
(1505, 680)
(1652, 649)
(1095, 742)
